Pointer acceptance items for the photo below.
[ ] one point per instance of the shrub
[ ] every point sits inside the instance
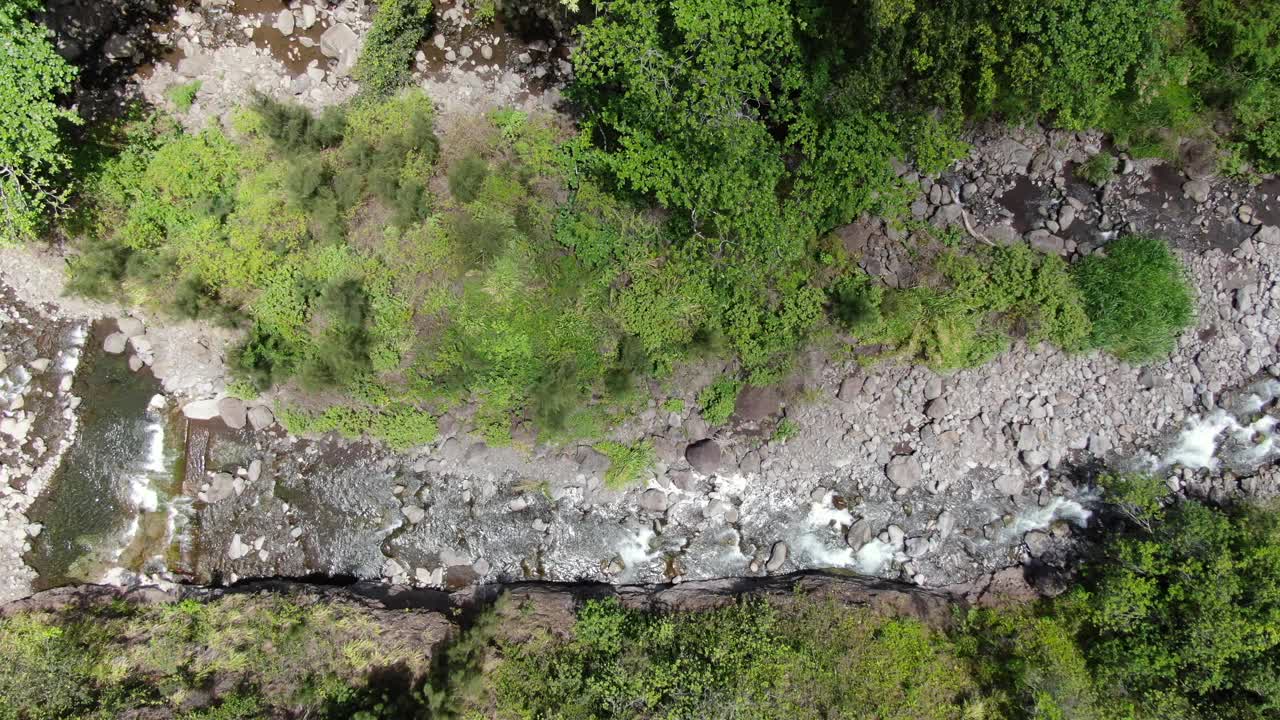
(1137, 297)
(398, 29)
(294, 128)
(466, 176)
(627, 463)
(183, 95)
(1098, 169)
(718, 399)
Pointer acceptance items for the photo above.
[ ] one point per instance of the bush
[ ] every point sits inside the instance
(718, 399)
(1180, 615)
(466, 176)
(294, 128)
(398, 29)
(1137, 297)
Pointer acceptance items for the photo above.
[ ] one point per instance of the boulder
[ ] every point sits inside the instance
(221, 486)
(851, 387)
(904, 471)
(860, 533)
(933, 388)
(1046, 242)
(413, 514)
(1038, 543)
(1269, 234)
(750, 463)
(201, 410)
(1010, 484)
(115, 343)
(1197, 190)
(592, 462)
(338, 41)
(130, 326)
(704, 456)
(936, 409)
(308, 17)
(233, 412)
(255, 470)
(237, 549)
(757, 403)
(285, 22)
(653, 500)
(777, 557)
(261, 417)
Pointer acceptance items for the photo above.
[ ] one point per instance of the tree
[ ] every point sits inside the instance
(32, 76)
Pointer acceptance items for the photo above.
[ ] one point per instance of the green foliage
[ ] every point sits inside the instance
(183, 95)
(718, 399)
(1179, 619)
(627, 463)
(1098, 169)
(986, 298)
(786, 430)
(467, 176)
(673, 405)
(293, 128)
(1137, 297)
(810, 661)
(33, 76)
(398, 29)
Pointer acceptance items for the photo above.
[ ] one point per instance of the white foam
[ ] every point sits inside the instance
(635, 552)
(822, 514)
(1059, 508)
(809, 547)
(874, 556)
(1198, 442)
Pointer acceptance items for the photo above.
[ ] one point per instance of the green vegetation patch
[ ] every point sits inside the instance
(386, 60)
(1138, 298)
(627, 463)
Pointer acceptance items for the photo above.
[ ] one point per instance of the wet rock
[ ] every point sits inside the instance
(1038, 543)
(860, 533)
(777, 557)
(653, 500)
(918, 547)
(37, 366)
(115, 343)
(904, 471)
(704, 456)
(486, 52)
(1034, 459)
(201, 410)
(757, 403)
(1199, 159)
(233, 412)
(1197, 190)
(260, 417)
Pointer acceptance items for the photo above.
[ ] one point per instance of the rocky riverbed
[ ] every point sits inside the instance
(896, 472)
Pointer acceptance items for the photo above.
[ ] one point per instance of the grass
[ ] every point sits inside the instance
(1098, 169)
(1138, 298)
(182, 96)
(627, 463)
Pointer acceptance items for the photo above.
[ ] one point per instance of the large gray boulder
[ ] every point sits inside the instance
(757, 403)
(704, 456)
(338, 41)
(233, 412)
(904, 471)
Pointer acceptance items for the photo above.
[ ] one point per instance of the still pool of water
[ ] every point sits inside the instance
(114, 505)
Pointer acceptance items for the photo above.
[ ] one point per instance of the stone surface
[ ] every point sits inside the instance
(233, 412)
(904, 471)
(704, 456)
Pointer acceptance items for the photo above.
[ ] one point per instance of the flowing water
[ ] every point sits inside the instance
(114, 506)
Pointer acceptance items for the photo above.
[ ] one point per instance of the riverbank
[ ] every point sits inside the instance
(891, 470)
